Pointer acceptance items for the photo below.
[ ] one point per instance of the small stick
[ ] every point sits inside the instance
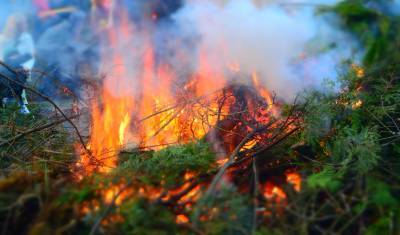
(39, 128)
(82, 142)
(223, 169)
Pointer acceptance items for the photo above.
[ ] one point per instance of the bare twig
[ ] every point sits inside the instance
(34, 91)
(36, 129)
(223, 169)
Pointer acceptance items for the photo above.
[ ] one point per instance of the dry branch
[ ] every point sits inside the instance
(37, 129)
(34, 91)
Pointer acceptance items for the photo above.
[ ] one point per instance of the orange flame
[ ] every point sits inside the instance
(111, 116)
(359, 71)
(274, 192)
(182, 219)
(109, 124)
(264, 93)
(295, 179)
(167, 112)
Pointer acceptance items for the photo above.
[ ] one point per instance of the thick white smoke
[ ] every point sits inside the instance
(269, 38)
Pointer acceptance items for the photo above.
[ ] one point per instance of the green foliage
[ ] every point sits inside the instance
(326, 179)
(228, 212)
(41, 144)
(382, 226)
(73, 195)
(356, 157)
(376, 30)
(11, 114)
(381, 193)
(355, 151)
(265, 231)
(143, 217)
(317, 121)
(170, 164)
(164, 169)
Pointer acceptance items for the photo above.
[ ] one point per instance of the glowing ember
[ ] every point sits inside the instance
(115, 193)
(182, 219)
(357, 104)
(272, 191)
(222, 161)
(360, 72)
(295, 179)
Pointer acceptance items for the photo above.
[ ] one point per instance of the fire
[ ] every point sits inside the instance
(109, 124)
(273, 192)
(264, 93)
(184, 116)
(357, 104)
(222, 161)
(295, 179)
(115, 194)
(250, 144)
(110, 116)
(191, 192)
(122, 128)
(276, 194)
(182, 219)
(359, 71)
(167, 109)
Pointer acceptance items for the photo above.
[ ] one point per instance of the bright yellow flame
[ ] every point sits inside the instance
(122, 128)
(357, 104)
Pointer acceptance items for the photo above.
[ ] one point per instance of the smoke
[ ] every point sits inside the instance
(8, 7)
(284, 42)
(278, 41)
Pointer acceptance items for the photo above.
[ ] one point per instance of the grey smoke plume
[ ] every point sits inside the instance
(283, 41)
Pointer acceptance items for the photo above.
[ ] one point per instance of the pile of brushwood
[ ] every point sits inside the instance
(347, 151)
